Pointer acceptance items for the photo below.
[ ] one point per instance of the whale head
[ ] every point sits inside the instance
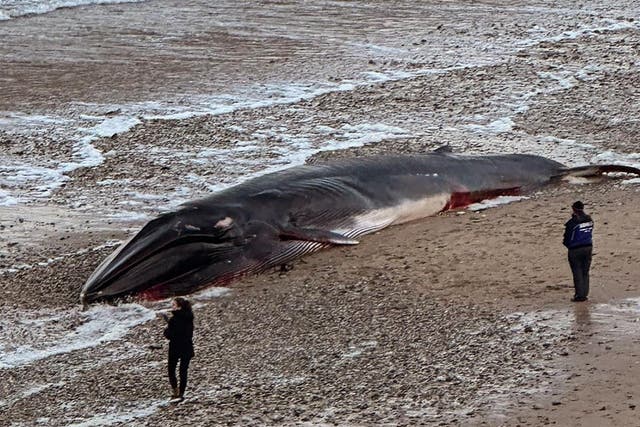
(179, 253)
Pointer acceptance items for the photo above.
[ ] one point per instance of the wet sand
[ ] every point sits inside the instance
(415, 325)
(460, 319)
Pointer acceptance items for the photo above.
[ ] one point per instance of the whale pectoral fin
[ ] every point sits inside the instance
(316, 235)
(271, 193)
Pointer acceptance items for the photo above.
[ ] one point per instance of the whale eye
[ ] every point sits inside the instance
(224, 222)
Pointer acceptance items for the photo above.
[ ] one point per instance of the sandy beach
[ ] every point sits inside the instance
(460, 319)
(463, 318)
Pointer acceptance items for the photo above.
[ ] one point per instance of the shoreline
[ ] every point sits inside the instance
(510, 102)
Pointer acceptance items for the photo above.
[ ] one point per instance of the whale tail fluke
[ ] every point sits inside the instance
(596, 170)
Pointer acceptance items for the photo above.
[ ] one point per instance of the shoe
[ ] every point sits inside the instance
(176, 393)
(579, 299)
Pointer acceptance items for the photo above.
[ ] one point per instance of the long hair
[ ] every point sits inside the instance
(184, 305)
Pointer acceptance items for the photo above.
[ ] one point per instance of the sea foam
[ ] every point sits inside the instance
(15, 8)
(32, 337)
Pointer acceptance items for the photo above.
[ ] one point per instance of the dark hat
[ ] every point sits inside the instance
(578, 205)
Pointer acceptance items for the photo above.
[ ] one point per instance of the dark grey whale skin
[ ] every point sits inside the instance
(275, 218)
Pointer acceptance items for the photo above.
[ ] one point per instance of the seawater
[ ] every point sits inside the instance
(256, 55)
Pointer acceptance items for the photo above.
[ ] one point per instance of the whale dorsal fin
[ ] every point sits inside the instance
(444, 149)
(316, 235)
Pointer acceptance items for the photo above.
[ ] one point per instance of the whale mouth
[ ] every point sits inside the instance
(183, 266)
(166, 258)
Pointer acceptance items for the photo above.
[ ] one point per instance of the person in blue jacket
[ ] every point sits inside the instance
(578, 238)
(179, 332)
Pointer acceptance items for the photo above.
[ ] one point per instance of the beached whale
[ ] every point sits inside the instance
(276, 218)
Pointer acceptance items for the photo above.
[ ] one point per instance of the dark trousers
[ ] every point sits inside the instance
(580, 262)
(184, 367)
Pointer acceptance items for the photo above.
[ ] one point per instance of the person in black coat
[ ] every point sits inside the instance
(179, 332)
(578, 239)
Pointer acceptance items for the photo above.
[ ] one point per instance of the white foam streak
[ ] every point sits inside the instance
(351, 136)
(268, 95)
(85, 154)
(113, 125)
(100, 324)
(612, 157)
(10, 120)
(358, 349)
(6, 199)
(502, 125)
(107, 182)
(15, 8)
(564, 79)
(212, 292)
(16, 175)
(614, 26)
(492, 203)
(53, 260)
(589, 31)
(128, 216)
(31, 391)
(124, 416)
(374, 49)
(251, 97)
(42, 180)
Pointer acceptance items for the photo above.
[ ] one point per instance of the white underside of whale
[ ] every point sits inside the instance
(406, 211)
